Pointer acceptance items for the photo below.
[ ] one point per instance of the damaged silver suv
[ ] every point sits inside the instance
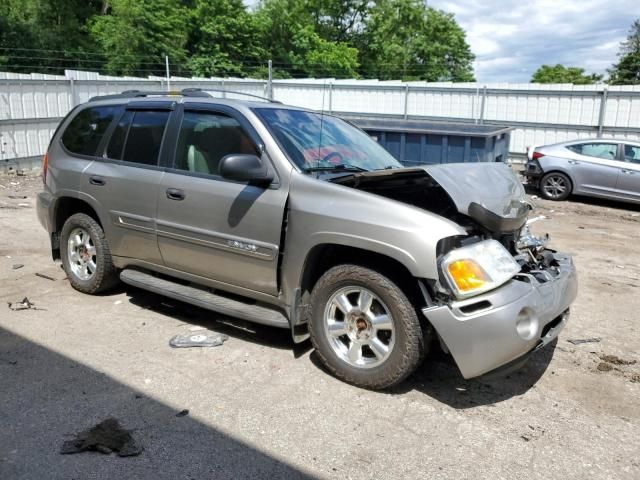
(299, 220)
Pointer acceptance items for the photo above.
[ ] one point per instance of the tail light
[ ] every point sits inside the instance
(537, 155)
(45, 166)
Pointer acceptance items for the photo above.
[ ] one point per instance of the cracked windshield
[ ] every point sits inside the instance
(317, 142)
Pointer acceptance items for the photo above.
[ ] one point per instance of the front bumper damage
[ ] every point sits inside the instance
(493, 329)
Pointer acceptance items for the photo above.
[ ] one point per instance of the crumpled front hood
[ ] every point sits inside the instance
(490, 193)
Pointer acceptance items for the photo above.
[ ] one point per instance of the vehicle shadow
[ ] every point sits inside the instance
(47, 397)
(234, 327)
(440, 378)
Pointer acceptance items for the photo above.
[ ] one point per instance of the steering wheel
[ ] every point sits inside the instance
(331, 155)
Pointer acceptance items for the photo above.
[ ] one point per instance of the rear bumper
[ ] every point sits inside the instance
(491, 330)
(532, 171)
(43, 210)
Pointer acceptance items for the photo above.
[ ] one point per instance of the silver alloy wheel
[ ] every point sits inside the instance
(555, 186)
(359, 327)
(82, 254)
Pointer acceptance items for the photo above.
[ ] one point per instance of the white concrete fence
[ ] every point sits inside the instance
(31, 105)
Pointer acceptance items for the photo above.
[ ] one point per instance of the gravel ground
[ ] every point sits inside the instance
(261, 407)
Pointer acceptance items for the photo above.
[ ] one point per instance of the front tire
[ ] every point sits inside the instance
(364, 328)
(555, 186)
(85, 255)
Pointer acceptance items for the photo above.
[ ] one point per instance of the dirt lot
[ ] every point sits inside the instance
(260, 407)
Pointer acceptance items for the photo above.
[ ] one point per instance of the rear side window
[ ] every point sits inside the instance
(632, 154)
(85, 131)
(607, 151)
(138, 136)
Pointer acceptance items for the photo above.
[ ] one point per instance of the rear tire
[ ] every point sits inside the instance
(364, 328)
(85, 254)
(555, 186)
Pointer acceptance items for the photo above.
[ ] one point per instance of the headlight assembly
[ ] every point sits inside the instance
(478, 268)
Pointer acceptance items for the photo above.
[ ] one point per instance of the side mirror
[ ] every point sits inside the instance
(245, 168)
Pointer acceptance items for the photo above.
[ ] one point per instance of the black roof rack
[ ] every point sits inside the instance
(185, 92)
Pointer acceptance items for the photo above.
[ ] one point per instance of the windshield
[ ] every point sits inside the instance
(314, 141)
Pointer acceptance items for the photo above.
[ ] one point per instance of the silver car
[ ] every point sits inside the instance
(604, 168)
(299, 220)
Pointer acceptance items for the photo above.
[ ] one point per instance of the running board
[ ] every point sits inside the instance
(205, 299)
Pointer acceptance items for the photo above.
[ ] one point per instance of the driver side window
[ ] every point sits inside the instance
(205, 138)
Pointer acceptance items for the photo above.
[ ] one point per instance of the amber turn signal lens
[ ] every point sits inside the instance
(467, 274)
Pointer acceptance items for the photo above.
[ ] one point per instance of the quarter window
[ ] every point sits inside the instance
(85, 131)
(138, 136)
(608, 151)
(205, 138)
(632, 154)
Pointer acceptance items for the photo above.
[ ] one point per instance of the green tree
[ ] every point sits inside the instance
(338, 20)
(403, 39)
(46, 35)
(561, 74)
(627, 70)
(291, 33)
(223, 39)
(134, 35)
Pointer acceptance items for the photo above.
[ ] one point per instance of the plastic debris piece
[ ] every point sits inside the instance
(17, 197)
(25, 304)
(42, 275)
(196, 329)
(16, 266)
(198, 340)
(106, 437)
(578, 341)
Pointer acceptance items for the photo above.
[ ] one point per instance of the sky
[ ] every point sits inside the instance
(512, 38)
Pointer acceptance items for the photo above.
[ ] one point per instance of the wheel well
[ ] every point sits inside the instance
(65, 207)
(571, 182)
(323, 257)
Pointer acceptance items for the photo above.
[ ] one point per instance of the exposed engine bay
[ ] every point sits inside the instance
(498, 212)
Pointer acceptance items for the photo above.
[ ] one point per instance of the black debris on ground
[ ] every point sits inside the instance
(42, 275)
(182, 413)
(16, 266)
(106, 437)
(578, 341)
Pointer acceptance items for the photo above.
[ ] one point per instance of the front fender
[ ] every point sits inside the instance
(325, 213)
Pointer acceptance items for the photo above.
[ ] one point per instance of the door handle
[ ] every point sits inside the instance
(95, 180)
(628, 172)
(574, 162)
(175, 194)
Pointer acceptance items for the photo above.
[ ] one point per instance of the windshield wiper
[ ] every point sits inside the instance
(342, 167)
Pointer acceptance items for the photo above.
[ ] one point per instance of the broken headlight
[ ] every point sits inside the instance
(478, 268)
